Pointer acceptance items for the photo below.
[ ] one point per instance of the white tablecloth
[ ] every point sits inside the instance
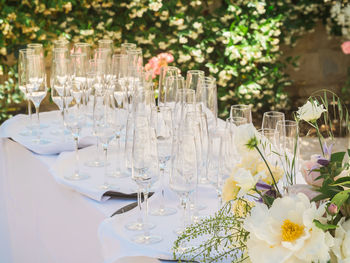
(42, 221)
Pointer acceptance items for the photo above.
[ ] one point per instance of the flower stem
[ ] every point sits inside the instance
(268, 167)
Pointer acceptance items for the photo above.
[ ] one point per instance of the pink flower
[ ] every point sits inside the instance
(307, 170)
(346, 47)
(332, 209)
(161, 60)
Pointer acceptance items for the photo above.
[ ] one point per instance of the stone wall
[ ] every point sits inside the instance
(322, 64)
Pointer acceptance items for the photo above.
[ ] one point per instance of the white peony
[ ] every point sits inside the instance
(286, 233)
(245, 180)
(310, 111)
(342, 242)
(242, 135)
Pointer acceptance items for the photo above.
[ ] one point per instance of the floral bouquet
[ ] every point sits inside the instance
(268, 219)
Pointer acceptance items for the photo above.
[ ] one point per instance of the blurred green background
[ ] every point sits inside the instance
(246, 45)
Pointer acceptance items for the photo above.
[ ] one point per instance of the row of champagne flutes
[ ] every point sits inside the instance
(283, 137)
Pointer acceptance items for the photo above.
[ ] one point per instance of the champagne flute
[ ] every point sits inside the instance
(38, 49)
(74, 121)
(105, 131)
(83, 48)
(135, 59)
(36, 87)
(61, 43)
(289, 149)
(94, 110)
(145, 174)
(161, 121)
(270, 119)
(193, 78)
(184, 172)
(206, 96)
(120, 107)
(127, 46)
(140, 140)
(78, 77)
(241, 110)
(167, 88)
(22, 82)
(106, 43)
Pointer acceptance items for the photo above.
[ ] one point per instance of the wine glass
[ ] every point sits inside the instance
(120, 107)
(74, 121)
(36, 87)
(270, 119)
(59, 54)
(161, 121)
(127, 46)
(119, 66)
(193, 78)
(184, 172)
(22, 82)
(289, 149)
(241, 110)
(172, 85)
(145, 173)
(83, 48)
(167, 88)
(206, 96)
(185, 102)
(143, 102)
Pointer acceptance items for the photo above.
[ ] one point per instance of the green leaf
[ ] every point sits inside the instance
(337, 157)
(340, 198)
(341, 181)
(324, 227)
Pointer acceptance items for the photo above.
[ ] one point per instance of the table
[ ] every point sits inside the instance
(42, 221)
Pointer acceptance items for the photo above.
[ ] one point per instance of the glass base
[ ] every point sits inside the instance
(164, 211)
(199, 207)
(146, 240)
(137, 226)
(29, 132)
(94, 163)
(106, 186)
(77, 177)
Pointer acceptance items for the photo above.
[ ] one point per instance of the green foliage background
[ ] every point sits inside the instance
(238, 41)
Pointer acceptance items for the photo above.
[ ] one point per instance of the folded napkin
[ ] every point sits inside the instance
(16, 126)
(65, 165)
(116, 239)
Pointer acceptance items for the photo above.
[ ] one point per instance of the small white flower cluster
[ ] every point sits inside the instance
(341, 15)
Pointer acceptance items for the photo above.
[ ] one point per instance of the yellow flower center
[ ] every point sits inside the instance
(291, 231)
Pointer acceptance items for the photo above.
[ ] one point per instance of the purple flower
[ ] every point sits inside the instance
(262, 186)
(323, 161)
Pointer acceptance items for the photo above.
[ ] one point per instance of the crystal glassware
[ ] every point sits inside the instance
(36, 87)
(161, 121)
(145, 173)
(61, 43)
(193, 78)
(74, 121)
(22, 82)
(127, 46)
(241, 110)
(167, 88)
(270, 119)
(83, 48)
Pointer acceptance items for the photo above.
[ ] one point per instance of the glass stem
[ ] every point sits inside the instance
(105, 147)
(37, 115)
(184, 214)
(97, 159)
(76, 173)
(117, 163)
(139, 204)
(30, 113)
(147, 232)
(162, 183)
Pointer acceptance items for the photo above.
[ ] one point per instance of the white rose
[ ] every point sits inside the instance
(342, 241)
(310, 111)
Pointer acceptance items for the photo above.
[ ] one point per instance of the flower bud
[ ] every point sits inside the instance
(332, 209)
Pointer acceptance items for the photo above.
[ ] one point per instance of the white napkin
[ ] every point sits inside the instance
(116, 239)
(14, 128)
(65, 165)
